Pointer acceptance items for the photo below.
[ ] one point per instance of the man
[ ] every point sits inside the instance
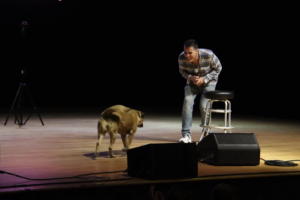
(201, 68)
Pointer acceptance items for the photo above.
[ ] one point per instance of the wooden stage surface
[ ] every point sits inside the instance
(64, 148)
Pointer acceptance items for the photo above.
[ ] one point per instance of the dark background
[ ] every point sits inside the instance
(80, 54)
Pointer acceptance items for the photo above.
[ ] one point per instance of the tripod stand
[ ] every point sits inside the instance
(16, 107)
(23, 90)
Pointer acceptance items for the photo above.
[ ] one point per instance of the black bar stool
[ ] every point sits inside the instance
(217, 96)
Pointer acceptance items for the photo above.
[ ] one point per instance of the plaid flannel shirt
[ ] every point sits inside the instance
(208, 67)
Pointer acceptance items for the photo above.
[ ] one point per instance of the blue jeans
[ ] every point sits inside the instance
(190, 93)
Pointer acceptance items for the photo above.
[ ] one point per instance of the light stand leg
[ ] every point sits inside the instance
(34, 108)
(12, 108)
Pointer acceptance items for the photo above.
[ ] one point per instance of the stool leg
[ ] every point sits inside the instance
(229, 115)
(207, 119)
(208, 116)
(210, 113)
(226, 116)
(202, 135)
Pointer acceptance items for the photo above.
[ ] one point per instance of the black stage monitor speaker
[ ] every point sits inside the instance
(229, 149)
(163, 161)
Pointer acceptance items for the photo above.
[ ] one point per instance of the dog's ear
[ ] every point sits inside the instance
(141, 114)
(116, 116)
(111, 115)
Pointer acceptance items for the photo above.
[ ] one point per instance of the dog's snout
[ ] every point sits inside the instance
(141, 125)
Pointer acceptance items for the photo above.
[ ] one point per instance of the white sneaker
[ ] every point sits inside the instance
(186, 139)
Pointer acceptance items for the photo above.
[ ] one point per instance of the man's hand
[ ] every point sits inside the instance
(194, 78)
(197, 80)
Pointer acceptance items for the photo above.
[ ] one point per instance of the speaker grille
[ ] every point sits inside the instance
(229, 149)
(239, 138)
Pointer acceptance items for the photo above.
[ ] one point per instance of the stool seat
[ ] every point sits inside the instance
(219, 95)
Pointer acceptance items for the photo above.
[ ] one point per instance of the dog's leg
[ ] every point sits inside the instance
(99, 142)
(130, 137)
(101, 133)
(125, 142)
(112, 141)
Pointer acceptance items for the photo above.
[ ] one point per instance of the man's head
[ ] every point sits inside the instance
(191, 49)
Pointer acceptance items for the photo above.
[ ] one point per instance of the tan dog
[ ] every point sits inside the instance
(118, 119)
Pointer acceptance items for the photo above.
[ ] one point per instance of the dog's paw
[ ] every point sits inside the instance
(125, 149)
(112, 156)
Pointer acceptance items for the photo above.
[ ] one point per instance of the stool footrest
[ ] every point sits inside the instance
(218, 127)
(219, 111)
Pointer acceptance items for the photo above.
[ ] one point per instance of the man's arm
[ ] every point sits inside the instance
(182, 70)
(216, 69)
(196, 80)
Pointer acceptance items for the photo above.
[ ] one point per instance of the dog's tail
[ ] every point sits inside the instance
(102, 129)
(102, 126)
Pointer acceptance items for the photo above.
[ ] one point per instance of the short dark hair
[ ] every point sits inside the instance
(191, 43)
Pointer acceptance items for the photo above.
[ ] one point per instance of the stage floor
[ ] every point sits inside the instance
(64, 147)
